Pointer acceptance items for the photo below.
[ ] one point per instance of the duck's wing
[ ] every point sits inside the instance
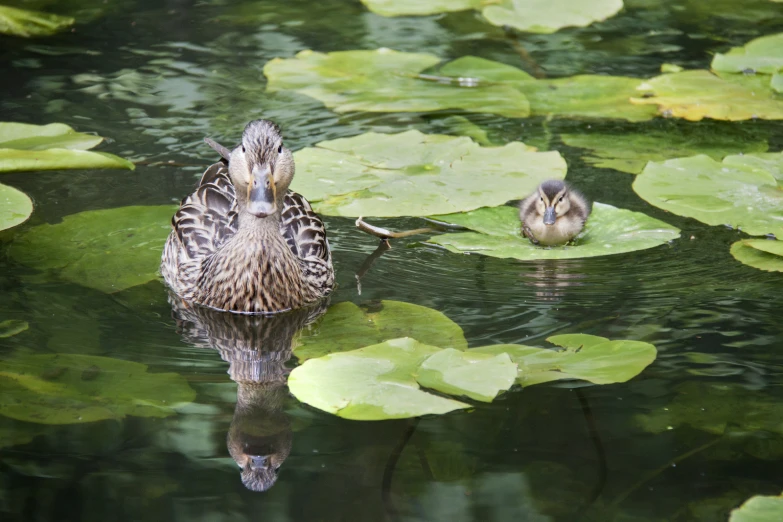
(303, 229)
(207, 217)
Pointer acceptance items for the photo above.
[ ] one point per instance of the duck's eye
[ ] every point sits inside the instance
(541, 198)
(280, 149)
(561, 198)
(243, 149)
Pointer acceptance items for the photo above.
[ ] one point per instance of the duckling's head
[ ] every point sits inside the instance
(261, 168)
(553, 200)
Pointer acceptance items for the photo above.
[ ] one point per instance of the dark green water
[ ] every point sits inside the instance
(156, 77)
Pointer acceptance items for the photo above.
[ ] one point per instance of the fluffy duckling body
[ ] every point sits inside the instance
(243, 242)
(554, 214)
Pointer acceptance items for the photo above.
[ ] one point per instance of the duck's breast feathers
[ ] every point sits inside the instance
(303, 229)
(208, 216)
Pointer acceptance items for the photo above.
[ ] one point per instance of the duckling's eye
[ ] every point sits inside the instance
(541, 198)
(561, 198)
(280, 149)
(243, 149)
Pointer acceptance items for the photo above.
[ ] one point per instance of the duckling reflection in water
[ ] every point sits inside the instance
(256, 348)
(554, 214)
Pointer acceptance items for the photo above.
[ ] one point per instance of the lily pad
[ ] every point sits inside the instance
(382, 381)
(762, 55)
(586, 357)
(384, 80)
(609, 230)
(109, 250)
(415, 174)
(759, 253)
(15, 207)
(694, 95)
(348, 327)
(631, 152)
(55, 146)
(760, 508)
(71, 389)
(535, 16)
(742, 191)
(26, 23)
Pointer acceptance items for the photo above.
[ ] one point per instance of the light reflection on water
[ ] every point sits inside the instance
(559, 452)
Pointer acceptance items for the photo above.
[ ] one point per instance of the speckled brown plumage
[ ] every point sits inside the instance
(225, 255)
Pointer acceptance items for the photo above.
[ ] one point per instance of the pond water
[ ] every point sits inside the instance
(156, 77)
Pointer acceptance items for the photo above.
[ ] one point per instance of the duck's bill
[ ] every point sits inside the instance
(549, 216)
(261, 197)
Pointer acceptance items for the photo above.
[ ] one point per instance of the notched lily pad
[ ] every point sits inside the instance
(109, 250)
(586, 357)
(609, 230)
(52, 389)
(415, 174)
(25, 147)
(759, 253)
(760, 508)
(477, 375)
(348, 327)
(742, 191)
(15, 207)
(26, 23)
(384, 80)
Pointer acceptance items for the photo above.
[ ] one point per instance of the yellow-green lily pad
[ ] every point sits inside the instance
(26, 23)
(586, 357)
(761, 55)
(55, 146)
(384, 80)
(761, 508)
(383, 381)
(742, 191)
(415, 174)
(72, 389)
(759, 253)
(694, 95)
(629, 152)
(109, 250)
(15, 207)
(609, 230)
(346, 327)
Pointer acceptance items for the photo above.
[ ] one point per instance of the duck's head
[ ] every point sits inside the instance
(261, 168)
(553, 201)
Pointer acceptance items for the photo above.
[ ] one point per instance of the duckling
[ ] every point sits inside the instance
(242, 242)
(554, 214)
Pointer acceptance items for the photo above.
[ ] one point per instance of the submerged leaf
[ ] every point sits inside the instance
(415, 174)
(761, 55)
(109, 250)
(609, 230)
(12, 327)
(22, 22)
(373, 383)
(52, 389)
(15, 207)
(385, 81)
(759, 253)
(628, 152)
(348, 327)
(694, 95)
(586, 357)
(760, 508)
(742, 191)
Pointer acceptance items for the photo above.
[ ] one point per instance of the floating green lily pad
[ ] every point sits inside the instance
(71, 389)
(631, 152)
(22, 22)
(742, 191)
(15, 207)
(348, 327)
(415, 174)
(694, 95)
(609, 230)
(385, 81)
(382, 381)
(759, 253)
(761, 55)
(535, 16)
(586, 357)
(760, 508)
(109, 250)
(25, 147)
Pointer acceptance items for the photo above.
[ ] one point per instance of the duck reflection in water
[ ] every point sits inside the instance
(256, 347)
